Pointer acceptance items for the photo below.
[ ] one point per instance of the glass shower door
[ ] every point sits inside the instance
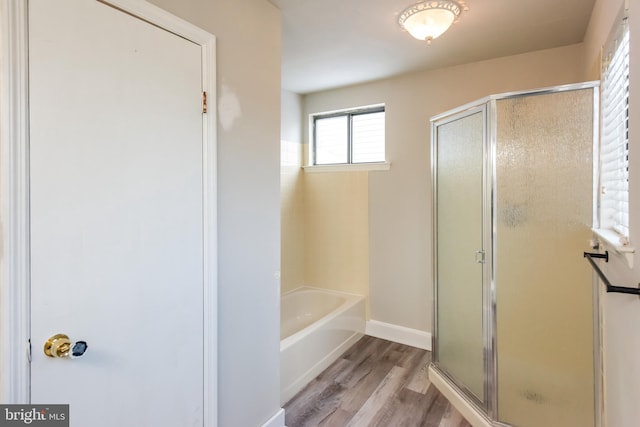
(544, 212)
(459, 182)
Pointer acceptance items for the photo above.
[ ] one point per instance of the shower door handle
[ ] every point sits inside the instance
(480, 257)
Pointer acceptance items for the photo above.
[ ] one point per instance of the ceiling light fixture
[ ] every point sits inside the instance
(429, 19)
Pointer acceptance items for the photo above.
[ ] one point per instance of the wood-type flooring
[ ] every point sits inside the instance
(375, 383)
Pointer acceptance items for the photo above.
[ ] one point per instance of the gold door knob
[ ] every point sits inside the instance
(59, 346)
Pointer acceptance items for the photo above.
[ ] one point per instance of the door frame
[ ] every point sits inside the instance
(15, 316)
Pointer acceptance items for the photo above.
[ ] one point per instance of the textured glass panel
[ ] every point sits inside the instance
(544, 214)
(459, 234)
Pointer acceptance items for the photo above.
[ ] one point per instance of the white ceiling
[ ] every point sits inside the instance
(333, 43)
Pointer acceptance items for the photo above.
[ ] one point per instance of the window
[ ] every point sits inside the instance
(349, 137)
(614, 139)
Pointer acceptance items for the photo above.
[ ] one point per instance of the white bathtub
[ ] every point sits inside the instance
(317, 326)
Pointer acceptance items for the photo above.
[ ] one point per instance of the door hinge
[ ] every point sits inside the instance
(29, 350)
(204, 102)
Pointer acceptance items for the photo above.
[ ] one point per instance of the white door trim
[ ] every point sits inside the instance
(14, 196)
(14, 259)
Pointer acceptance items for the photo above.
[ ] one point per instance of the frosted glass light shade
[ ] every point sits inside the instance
(430, 19)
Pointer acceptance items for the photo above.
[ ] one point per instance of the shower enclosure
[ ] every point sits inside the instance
(513, 211)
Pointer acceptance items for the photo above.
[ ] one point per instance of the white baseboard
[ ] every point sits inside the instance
(399, 334)
(276, 421)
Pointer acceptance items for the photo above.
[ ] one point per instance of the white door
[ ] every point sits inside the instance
(116, 171)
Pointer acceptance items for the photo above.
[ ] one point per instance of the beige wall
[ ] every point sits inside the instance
(292, 193)
(399, 200)
(621, 313)
(325, 232)
(602, 21)
(248, 202)
(337, 231)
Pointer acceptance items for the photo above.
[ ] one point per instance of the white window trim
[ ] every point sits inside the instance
(610, 240)
(348, 167)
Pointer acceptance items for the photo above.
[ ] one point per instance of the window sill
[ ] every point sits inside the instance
(611, 240)
(358, 167)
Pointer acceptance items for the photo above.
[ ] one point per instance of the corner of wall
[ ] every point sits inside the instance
(291, 193)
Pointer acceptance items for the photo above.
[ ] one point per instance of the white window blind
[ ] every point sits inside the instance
(614, 140)
(350, 137)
